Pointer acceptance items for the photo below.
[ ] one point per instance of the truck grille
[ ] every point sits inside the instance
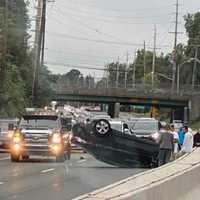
(36, 138)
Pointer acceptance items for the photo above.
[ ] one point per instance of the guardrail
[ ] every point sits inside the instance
(178, 180)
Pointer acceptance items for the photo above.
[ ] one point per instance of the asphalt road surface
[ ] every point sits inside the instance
(43, 179)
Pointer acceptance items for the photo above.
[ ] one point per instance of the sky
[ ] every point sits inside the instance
(87, 34)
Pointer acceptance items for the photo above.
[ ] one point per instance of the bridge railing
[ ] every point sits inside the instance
(139, 88)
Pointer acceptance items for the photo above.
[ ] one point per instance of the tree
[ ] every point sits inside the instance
(14, 25)
(89, 82)
(192, 26)
(71, 78)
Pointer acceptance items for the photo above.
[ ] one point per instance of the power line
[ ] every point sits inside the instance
(77, 53)
(119, 16)
(93, 18)
(110, 18)
(66, 36)
(96, 30)
(84, 67)
(127, 10)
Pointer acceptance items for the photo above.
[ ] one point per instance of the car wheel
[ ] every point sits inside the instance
(25, 157)
(14, 158)
(60, 158)
(102, 127)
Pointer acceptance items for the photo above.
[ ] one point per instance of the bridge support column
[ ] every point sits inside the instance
(194, 108)
(103, 107)
(113, 110)
(178, 114)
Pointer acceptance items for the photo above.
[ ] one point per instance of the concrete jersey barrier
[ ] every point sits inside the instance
(178, 180)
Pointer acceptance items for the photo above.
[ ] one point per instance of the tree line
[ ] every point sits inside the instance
(16, 61)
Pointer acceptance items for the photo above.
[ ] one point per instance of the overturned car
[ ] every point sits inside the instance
(138, 149)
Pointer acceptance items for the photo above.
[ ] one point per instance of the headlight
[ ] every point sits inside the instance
(56, 138)
(10, 134)
(17, 139)
(155, 136)
(16, 147)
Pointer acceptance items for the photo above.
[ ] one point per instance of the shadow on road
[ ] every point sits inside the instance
(38, 160)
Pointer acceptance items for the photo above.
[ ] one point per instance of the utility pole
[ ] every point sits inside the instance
(154, 57)
(117, 73)
(194, 68)
(134, 68)
(39, 45)
(43, 27)
(126, 70)
(174, 68)
(144, 62)
(107, 74)
(178, 79)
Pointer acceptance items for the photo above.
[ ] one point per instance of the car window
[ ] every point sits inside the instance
(146, 125)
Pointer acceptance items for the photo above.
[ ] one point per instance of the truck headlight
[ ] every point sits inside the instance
(17, 139)
(56, 138)
(10, 134)
(155, 136)
(16, 147)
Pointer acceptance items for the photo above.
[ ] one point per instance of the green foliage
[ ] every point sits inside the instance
(45, 90)
(192, 25)
(17, 76)
(14, 97)
(162, 66)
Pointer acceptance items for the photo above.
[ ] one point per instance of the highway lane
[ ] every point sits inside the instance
(44, 179)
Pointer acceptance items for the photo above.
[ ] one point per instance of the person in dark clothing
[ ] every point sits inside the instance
(166, 145)
(197, 139)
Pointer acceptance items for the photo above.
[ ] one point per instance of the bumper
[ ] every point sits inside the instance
(39, 150)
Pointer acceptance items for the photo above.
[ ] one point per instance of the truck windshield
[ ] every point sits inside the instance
(39, 123)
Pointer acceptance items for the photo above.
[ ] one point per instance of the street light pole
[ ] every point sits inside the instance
(154, 58)
(134, 68)
(178, 79)
(194, 68)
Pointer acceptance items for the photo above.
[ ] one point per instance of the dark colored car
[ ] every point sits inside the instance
(43, 135)
(114, 147)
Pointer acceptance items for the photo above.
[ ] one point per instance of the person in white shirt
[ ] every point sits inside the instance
(175, 134)
(188, 141)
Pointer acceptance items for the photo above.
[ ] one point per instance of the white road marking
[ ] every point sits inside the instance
(6, 158)
(47, 170)
(1, 183)
(81, 161)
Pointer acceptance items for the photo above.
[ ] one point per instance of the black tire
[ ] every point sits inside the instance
(102, 128)
(25, 157)
(14, 158)
(60, 158)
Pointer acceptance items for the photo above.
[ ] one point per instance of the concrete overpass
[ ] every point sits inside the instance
(184, 104)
